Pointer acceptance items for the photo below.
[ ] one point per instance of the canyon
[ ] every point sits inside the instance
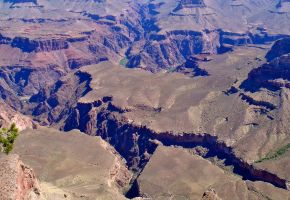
(150, 99)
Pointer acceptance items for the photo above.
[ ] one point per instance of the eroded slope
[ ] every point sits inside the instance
(72, 165)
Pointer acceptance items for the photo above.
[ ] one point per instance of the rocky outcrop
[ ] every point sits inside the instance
(272, 76)
(52, 104)
(84, 167)
(9, 116)
(18, 84)
(210, 195)
(105, 113)
(191, 67)
(279, 48)
(4, 40)
(189, 3)
(136, 148)
(17, 181)
(28, 46)
(281, 3)
(252, 101)
(172, 49)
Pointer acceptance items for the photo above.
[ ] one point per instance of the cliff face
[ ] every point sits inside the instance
(18, 84)
(52, 104)
(8, 116)
(101, 118)
(28, 46)
(172, 50)
(43, 75)
(83, 167)
(279, 48)
(64, 52)
(273, 75)
(17, 181)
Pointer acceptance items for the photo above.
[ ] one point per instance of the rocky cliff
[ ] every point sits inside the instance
(210, 195)
(273, 75)
(8, 116)
(83, 166)
(17, 180)
(279, 48)
(59, 64)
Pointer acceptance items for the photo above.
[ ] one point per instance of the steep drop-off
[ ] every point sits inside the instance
(136, 119)
(17, 180)
(59, 65)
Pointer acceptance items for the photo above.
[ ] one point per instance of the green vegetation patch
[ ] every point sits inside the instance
(7, 138)
(171, 70)
(276, 154)
(124, 62)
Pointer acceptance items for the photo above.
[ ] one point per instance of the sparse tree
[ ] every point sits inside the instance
(7, 138)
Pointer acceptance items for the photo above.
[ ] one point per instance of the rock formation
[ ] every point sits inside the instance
(273, 76)
(279, 48)
(135, 123)
(9, 116)
(210, 195)
(143, 35)
(17, 180)
(60, 66)
(73, 165)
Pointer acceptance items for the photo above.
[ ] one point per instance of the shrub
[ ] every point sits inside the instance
(279, 152)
